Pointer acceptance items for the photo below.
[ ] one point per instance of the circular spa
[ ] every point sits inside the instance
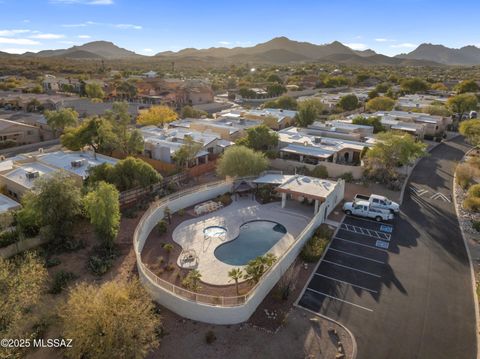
(254, 239)
(215, 232)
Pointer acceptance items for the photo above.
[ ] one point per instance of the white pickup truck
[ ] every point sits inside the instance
(377, 201)
(364, 209)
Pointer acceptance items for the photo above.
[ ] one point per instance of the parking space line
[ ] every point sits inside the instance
(355, 269)
(367, 220)
(341, 300)
(361, 244)
(342, 281)
(366, 232)
(356, 255)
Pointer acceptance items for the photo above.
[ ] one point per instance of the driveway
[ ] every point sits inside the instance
(411, 296)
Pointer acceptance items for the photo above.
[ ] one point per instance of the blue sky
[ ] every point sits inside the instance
(147, 27)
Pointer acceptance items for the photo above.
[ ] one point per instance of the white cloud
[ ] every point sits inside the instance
(13, 50)
(84, 36)
(83, 2)
(383, 39)
(48, 36)
(93, 23)
(13, 32)
(404, 45)
(224, 42)
(148, 50)
(14, 41)
(356, 46)
(127, 26)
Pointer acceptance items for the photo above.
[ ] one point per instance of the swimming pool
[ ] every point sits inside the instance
(255, 239)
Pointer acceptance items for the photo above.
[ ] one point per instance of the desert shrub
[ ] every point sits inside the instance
(103, 259)
(8, 237)
(169, 267)
(465, 174)
(225, 199)
(210, 337)
(472, 204)
(162, 227)
(52, 262)
(314, 248)
(192, 279)
(130, 213)
(347, 176)
(60, 281)
(181, 212)
(319, 171)
(476, 225)
(474, 191)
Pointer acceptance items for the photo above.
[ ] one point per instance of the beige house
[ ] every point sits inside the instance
(19, 132)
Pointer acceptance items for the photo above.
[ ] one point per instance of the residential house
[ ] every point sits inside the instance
(419, 101)
(19, 174)
(162, 143)
(274, 118)
(21, 133)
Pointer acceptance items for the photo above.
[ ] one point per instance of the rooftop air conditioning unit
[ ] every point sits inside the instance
(32, 174)
(78, 163)
(318, 140)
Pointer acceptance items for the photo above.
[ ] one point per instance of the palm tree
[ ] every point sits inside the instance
(168, 247)
(192, 279)
(236, 274)
(167, 212)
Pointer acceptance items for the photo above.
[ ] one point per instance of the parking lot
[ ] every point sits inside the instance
(350, 276)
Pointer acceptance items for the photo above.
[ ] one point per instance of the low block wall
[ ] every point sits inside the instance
(18, 247)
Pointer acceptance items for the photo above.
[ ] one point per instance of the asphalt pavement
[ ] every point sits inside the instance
(404, 289)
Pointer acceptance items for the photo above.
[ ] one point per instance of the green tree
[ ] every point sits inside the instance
(239, 161)
(380, 103)
(187, 152)
(467, 86)
(373, 121)
(259, 138)
(135, 143)
(308, 111)
(56, 202)
(335, 81)
(283, 102)
(462, 104)
(190, 112)
(414, 85)
(58, 120)
(276, 89)
(103, 209)
(94, 90)
(471, 130)
(236, 274)
(348, 102)
(125, 174)
(96, 132)
(114, 320)
(394, 149)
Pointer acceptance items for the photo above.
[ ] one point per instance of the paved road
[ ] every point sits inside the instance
(412, 297)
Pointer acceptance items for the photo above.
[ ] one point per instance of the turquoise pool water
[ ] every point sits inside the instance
(255, 239)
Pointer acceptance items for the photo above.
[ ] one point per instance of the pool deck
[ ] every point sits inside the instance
(189, 234)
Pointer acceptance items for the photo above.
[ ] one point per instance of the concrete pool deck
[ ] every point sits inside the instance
(190, 235)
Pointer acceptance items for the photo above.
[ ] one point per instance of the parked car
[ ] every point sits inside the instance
(377, 201)
(364, 209)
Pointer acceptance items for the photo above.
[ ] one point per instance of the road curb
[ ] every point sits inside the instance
(295, 304)
(469, 255)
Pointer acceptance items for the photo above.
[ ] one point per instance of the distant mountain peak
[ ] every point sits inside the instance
(467, 55)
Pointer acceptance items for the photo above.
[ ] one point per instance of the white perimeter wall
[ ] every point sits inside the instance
(207, 312)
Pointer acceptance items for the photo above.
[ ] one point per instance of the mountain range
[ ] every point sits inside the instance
(467, 55)
(279, 50)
